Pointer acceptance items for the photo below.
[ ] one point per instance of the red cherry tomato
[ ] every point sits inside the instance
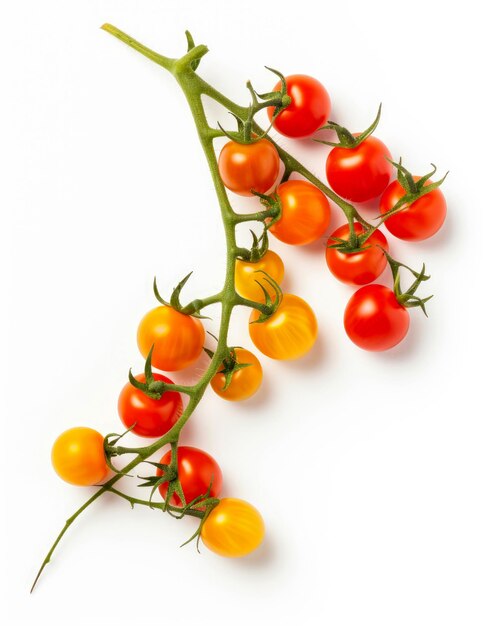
(357, 268)
(374, 319)
(308, 111)
(305, 213)
(244, 167)
(361, 173)
(196, 471)
(422, 219)
(151, 418)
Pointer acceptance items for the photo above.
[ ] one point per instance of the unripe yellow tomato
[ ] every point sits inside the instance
(287, 334)
(248, 273)
(233, 528)
(78, 456)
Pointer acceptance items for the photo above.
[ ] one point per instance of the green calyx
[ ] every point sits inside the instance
(268, 308)
(345, 138)
(277, 99)
(414, 189)
(230, 365)
(151, 387)
(273, 208)
(407, 298)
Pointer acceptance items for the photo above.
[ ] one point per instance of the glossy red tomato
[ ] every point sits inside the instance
(362, 173)
(422, 219)
(196, 470)
(374, 319)
(308, 111)
(150, 418)
(305, 213)
(358, 268)
(244, 167)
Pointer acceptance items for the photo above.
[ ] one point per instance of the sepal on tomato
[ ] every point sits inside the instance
(407, 298)
(345, 138)
(414, 187)
(151, 387)
(270, 306)
(175, 303)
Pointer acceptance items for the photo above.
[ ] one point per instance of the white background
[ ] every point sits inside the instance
(372, 471)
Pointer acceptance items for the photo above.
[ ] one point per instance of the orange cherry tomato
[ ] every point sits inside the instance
(247, 275)
(305, 213)
(244, 167)
(245, 381)
(287, 334)
(78, 456)
(177, 338)
(234, 528)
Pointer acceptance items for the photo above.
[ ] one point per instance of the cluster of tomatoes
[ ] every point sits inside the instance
(358, 169)
(233, 527)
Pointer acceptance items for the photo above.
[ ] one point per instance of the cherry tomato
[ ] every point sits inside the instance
(233, 528)
(422, 219)
(245, 381)
(357, 268)
(289, 333)
(361, 173)
(149, 418)
(244, 167)
(196, 471)
(305, 213)
(374, 319)
(308, 111)
(248, 273)
(177, 338)
(78, 456)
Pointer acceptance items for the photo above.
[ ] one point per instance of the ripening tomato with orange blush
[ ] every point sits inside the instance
(244, 167)
(177, 338)
(305, 213)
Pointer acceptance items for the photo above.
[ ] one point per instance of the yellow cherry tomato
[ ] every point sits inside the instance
(248, 273)
(233, 528)
(245, 381)
(78, 456)
(177, 338)
(289, 333)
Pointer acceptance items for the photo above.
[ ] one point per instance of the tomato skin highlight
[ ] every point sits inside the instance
(149, 418)
(78, 456)
(374, 319)
(247, 273)
(362, 173)
(245, 381)
(306, 213)
(244, 167)
(419, 221)
(308, 111)
(196, 470)
(177, 338)
(289, 333)
(234, 528)
(359, 268)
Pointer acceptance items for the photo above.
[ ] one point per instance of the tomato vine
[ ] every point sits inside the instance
(194, 88)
